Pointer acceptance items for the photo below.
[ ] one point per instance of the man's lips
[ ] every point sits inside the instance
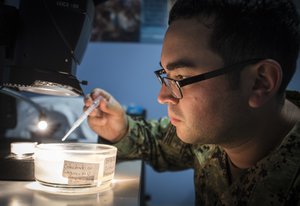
(174, 120)
(174, 116)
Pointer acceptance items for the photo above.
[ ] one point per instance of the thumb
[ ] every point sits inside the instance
(110, 106)
(103, 105)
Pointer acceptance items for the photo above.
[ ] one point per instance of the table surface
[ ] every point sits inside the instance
(124, 190)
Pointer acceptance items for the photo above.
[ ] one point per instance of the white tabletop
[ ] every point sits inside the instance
(124, 190)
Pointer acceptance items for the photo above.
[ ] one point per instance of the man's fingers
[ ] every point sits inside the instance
(96, 121)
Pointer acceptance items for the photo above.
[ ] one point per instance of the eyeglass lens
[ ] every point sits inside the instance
(173, 87)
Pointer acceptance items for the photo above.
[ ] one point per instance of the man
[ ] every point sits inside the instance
(225, 68)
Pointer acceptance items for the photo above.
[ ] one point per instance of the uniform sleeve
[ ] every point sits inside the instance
(156, 143)
(294, 195)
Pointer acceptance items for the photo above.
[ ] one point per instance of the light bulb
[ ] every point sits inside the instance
(42, 125)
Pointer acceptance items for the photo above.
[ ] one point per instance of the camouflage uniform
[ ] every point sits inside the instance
(274, 180)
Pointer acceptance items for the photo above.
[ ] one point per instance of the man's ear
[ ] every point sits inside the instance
(267, 77)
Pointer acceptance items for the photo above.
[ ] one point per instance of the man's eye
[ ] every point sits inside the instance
(179, 77)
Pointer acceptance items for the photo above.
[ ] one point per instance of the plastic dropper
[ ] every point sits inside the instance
(83, 117)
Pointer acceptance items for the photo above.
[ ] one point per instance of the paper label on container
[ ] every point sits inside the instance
(80, 173)
(109, 166)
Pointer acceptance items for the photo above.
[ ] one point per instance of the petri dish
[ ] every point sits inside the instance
(74, 165)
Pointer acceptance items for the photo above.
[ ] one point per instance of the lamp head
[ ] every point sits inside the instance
(42, 42)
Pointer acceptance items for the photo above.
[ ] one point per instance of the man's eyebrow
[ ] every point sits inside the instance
(178, 64)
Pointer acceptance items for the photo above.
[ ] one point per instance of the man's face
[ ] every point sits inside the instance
(210, 111)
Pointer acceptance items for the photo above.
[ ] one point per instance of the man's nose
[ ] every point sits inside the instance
(165, 96)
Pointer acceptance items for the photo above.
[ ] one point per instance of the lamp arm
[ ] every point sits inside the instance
(18, 95)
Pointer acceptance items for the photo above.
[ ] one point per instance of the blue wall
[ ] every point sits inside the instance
(295, 83)
(126, 71)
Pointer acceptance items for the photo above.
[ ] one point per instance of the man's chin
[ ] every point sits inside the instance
(185, 137)
(189, 138)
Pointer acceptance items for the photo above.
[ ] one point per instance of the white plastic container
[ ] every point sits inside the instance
(22, 150)
(74, 165)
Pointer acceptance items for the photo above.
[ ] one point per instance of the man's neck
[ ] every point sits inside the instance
(267, 137)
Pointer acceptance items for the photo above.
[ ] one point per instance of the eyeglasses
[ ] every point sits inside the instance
(174, 86)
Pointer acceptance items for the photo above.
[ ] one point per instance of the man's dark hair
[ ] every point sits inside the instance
(248, 29)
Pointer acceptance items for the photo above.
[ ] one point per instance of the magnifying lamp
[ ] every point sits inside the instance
(41, 44)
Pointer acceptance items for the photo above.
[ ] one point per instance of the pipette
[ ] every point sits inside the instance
(83, 117)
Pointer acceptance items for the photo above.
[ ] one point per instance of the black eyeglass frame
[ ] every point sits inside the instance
(208, 75)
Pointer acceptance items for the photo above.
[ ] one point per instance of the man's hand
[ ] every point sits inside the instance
(109, 119)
